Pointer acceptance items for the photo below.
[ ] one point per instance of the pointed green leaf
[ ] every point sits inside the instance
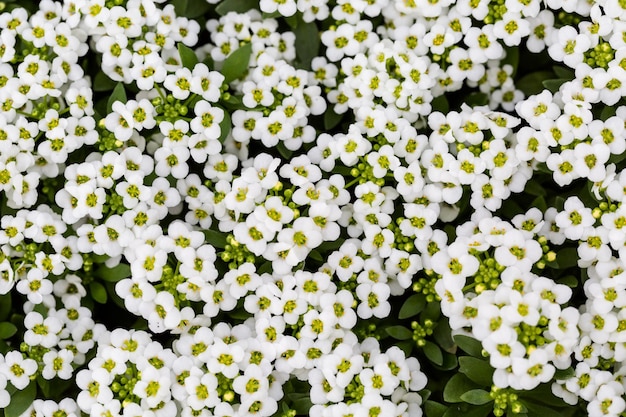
(443, 336)
(434, 409)
(433, 353)
(467, 410)
(477, 370)
(476, 397)
(283, 151)
(307, 43)
(532, 83)
(511, 58)
(5, 306)
(239, 6)
(469, 345)
(412, 306)
(554, 85)
(458, 385)
(567, 258)
(215, 239)
(534, 188)
(331, 119)
(118, 94)
(102, 82)
(538, 410)
(7, 329)
(180, 6)
(98, 292)
(236, 65)
(563, 73)
(187, 56)
(399, 332)
(117, 273)
(225, 126)
(21, 400)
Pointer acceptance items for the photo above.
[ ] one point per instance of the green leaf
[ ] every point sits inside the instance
(216, 239)
(432, 311)
(543, 394)
(180, 6)
(433, 353)
(443, 336)
(44, 385)
(532, 83)
(540, 203)
(608, 111)
(236, 65)
(563, 73)
(283, 151)
(316, 256)
(467, 410)
(440, 104)
(534, 188)
(469, 345)
(199, 8)
(7, 329)
(292, 21)
(538, 410)
(477, 370)
(569, 280)
(458, 385)
(434, 409)
(5, 306)
(562, 374)
(412, 306)
(449, 362)
(187, 56)
(331, 119)
(476, 397)
(511, 58)
(102, 82)
(307, 43)
(21, 400)
(399, 332)
(239, 6)
(567, 258)
(117, 273)
(406, 346)
(554, 85)
(98, 292)
(118, 94)
(476, 99)
(225, 126)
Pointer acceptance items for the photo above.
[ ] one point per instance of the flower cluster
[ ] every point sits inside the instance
(253, 186)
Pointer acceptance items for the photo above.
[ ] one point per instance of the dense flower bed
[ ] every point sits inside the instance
(364, 208)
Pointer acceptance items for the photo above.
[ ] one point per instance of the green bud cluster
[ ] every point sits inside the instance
(236, 253)
(497, 9)
(426, 286)
(355, 391)
(421, 331)
(114, 204)
(170, 279)
(564, 18)
(225, 389)
(600, 55)
(365, 331)
(532, 336)
(488, 275)
(124, 384)
(107, 140)
(170, 109)
(504, 399)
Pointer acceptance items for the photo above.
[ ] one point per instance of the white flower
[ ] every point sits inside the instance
(18, 369)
